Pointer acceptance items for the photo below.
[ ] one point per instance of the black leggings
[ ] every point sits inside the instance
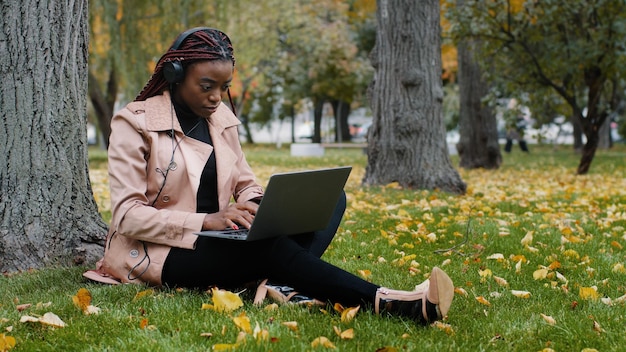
(293, 260)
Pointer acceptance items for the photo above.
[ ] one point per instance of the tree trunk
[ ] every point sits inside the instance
(588, 152)
(318, 110)
(407, 139)
(245, 123)
(577, 133)
(103, 104)
(47, 211)
(478, 146)
(341, 109)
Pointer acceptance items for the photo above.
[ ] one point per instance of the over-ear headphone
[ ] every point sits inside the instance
(173, 71)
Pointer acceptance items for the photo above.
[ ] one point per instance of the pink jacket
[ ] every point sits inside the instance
(141, 235)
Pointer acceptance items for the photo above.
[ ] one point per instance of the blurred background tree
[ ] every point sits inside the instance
(536, 50)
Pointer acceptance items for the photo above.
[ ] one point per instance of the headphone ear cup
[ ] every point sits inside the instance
(173, 72)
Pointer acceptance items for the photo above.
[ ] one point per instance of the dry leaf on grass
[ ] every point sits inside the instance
(292, 325)
(49, 319)
(6, 342)
(548, 319)
(83, 301)
(520, 294)
(243, 323)
(482, 300)
(344, 335)
(323, 342)
(223, 301)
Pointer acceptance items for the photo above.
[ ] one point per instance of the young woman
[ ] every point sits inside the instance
(176, 167)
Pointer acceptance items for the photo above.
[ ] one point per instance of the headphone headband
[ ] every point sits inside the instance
(181, 38)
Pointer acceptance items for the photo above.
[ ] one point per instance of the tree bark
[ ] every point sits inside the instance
(47, 210)
(478, 146)
(407, 139)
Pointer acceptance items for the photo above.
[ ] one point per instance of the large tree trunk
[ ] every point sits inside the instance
(478, 146)
(407, 139)
(47, 211)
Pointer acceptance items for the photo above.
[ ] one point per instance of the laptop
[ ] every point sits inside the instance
(293, 203)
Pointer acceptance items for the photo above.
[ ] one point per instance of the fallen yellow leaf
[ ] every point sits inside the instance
(21, 307)
(82, 299)
(338, 307)
(548, 319)
(520, 294)
(482, 300)
(496, 256)
(540, 274)
(49, 318)
(292, 325)
(349, 313)
(260, 334)
(243, 322)
(322, 341)
(6, 342)
(518, 267)
(619, 268)
(144, 293)
(500, 281)
(554, 265)
(528, 239)
(224, 346)
(597, 328)
(588, 293)
(52, 319)
(28, 319)
(460, 291)
(447, 328)
(225, 301)
(271, 306)
(365, 273)
(344, 335)
(484, 274)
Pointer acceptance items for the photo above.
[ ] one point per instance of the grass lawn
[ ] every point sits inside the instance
(536, 254)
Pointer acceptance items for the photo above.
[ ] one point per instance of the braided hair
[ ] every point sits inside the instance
(201, 45)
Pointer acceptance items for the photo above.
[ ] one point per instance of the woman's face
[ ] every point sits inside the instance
(204, 85)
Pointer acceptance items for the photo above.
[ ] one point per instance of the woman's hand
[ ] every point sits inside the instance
(235, 216)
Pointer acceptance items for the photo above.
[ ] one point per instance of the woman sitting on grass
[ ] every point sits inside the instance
(175, 163)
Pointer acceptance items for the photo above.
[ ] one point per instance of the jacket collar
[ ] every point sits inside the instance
(160, 115)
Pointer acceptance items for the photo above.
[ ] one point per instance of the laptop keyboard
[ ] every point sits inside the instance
(238, 232)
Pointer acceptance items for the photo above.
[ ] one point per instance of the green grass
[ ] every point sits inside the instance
(578, 225)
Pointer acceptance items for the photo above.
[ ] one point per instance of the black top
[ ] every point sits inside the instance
(197, 128)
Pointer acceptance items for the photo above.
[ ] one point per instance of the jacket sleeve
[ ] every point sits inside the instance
(247, 188)
(133, 215)
(239, 180)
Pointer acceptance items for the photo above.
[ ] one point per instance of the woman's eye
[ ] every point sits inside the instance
(206, 88)
(226, 87)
